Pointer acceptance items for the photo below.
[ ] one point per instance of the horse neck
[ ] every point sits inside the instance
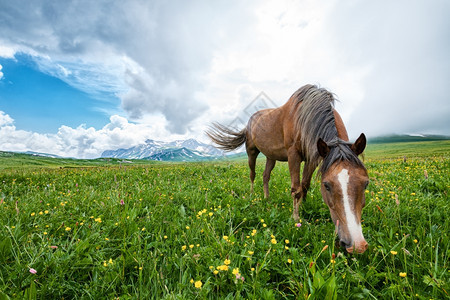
(340, 127)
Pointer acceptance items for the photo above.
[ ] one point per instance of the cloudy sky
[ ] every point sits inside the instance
(80, 77)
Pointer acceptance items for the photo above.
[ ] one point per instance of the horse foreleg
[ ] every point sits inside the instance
(294, 161)
(270, 164)
(308, 170)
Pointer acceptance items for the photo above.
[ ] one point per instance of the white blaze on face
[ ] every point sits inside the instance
(353, 227)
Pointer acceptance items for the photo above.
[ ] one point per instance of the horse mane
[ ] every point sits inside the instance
(339, 151)
(314, 118)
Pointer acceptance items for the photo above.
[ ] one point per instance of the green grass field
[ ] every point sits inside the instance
(103, 229)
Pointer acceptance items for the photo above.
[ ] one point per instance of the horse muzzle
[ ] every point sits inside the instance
(358, 247)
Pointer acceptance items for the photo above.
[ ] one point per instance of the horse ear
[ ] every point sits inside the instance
(323, 148)
(359, 145)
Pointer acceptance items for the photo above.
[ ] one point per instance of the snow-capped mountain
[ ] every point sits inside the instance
(180, 150)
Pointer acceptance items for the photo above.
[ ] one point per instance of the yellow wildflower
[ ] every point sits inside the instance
(68, 229)
(250, 252)
(289, 260)
(235, 271)
(402, 274)
(198, 284)
(273, 241)
(394, 252)
(227, 261)
(222, 268)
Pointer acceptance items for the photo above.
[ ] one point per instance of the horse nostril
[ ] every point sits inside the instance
(344, 244)
(365, 246)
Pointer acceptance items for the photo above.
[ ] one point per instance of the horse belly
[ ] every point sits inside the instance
(279, 154)
(267, 135)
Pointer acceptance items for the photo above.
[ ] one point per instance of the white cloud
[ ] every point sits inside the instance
(1, 73)
(169, 45)
(176, 66)
(404, 48)
(80, 142)
(5, 119)
(6, 52)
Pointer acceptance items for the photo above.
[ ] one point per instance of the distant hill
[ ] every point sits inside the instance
(41, 154)
(20, 160)
(406, 138)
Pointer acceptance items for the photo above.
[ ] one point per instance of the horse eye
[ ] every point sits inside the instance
(327, 186)
(366, 185)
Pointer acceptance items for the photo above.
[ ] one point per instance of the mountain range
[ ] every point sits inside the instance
(180, 150)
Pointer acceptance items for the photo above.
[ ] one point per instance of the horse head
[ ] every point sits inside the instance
(344, 181)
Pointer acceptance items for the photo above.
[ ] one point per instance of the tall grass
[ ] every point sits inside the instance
(186, 231)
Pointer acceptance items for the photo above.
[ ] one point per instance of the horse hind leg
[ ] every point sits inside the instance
(270, 164)
(252, 155)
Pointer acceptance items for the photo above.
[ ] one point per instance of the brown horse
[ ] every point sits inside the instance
(308, 128)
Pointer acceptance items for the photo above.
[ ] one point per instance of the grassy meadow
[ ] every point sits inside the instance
(103, 229)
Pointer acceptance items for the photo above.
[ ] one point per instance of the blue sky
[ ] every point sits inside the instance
(78, 78)
(41, 103)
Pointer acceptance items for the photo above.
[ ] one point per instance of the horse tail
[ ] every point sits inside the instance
(226, 138)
